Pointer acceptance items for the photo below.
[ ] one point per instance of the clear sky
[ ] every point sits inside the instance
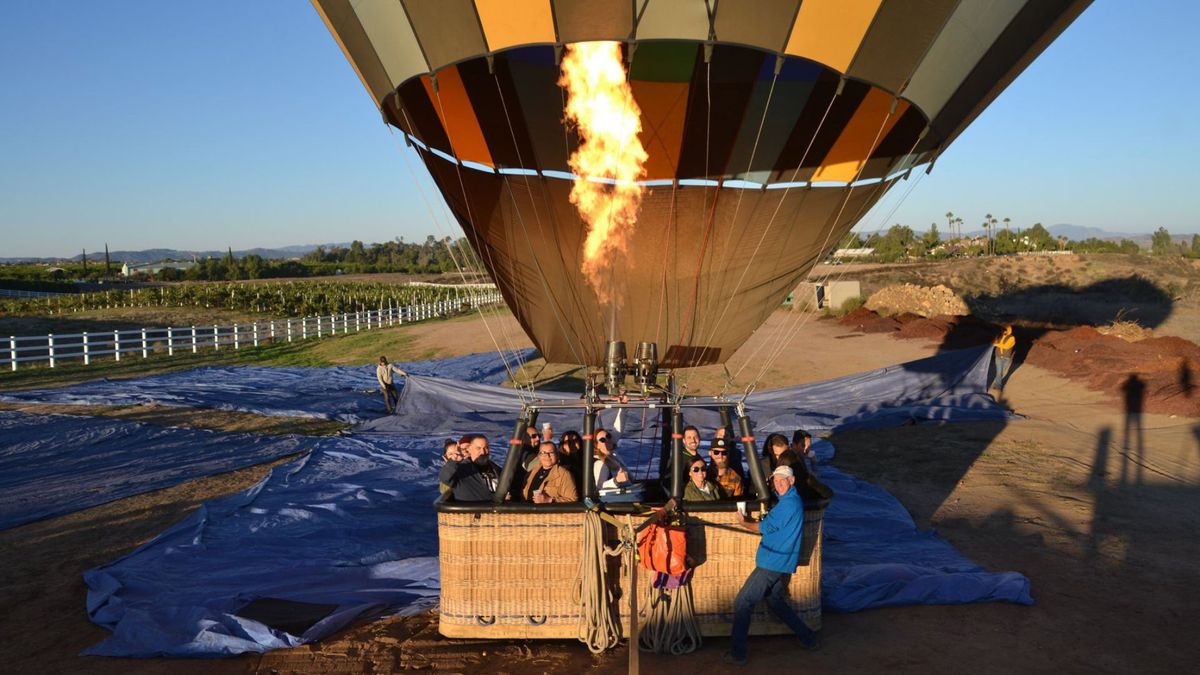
(146, 124)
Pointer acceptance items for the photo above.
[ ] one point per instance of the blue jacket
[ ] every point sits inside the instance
(779, 550)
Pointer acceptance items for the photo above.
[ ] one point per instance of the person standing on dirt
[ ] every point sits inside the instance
(776, 560)
(383, 373)
(1003, 357)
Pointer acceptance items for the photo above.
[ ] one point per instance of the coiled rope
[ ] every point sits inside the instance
(671, 625)
(600, 617)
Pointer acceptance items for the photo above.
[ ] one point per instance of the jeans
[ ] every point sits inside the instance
(761, 584)
(1002, 363)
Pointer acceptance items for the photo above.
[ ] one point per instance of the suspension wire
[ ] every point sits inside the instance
(833, 223)
(662, 293)
(799, 324)
(782, 198)
(509, 342)
(437, 222)
(504, 357)
(733, 226)
(521, 219)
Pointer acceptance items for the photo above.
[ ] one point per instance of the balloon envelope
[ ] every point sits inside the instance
(771, 128)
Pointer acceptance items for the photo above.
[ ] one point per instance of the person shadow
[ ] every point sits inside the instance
(1133, 441)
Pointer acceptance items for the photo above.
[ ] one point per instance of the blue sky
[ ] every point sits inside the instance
(150, 124)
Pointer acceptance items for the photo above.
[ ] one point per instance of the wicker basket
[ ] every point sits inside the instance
(512, 575)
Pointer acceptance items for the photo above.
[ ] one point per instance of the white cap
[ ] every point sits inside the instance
(784, 471)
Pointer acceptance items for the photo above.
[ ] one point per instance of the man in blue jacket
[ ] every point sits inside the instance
(778, 554)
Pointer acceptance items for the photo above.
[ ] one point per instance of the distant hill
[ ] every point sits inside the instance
(157, 254)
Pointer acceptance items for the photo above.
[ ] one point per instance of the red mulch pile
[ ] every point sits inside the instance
(1159, 374)
(863, 319)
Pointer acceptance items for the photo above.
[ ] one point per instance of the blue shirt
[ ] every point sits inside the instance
(779, 550)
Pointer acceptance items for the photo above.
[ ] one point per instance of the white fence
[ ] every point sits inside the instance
(141, 343)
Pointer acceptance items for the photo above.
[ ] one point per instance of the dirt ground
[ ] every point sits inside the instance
(1098, 508)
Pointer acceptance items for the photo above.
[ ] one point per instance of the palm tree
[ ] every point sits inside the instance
(950, 223)
(1006, 222)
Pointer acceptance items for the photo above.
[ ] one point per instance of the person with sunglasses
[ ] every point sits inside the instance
(720, 471)
(570, 450)
(699, 488)
(607, 469)
(550, 483)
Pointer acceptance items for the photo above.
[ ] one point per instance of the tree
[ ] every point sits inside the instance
(950, 223)
(1161, 243)
(1195, 253)
(107, 262)
(932, 238)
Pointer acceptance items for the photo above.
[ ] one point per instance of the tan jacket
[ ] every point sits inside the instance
(559, 485)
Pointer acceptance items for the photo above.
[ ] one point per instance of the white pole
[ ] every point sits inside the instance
(144, 352)
(319, 326)
(289, 330)
(272, 330)
(116, 345)
(345, 322)
(87, 357)
(236, 345)
(216, 338)
(357, 321)
(12, 350)
(255, 329)
(170, 341)
(50, 337)
(304, 328)
(193, 339)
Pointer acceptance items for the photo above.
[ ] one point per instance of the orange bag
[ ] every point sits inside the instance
(663, 549)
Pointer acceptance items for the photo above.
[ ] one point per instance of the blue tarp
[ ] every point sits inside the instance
(349, 528)
(56, 464)
(352, 529)
(346, 393)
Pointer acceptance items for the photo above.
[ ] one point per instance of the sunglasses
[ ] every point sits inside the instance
(602, 439)
(718, 452)
(697, 469)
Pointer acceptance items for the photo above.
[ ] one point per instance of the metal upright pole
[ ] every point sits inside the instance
(756, 472)
(677, 468)
(512, 459)
(587, 486)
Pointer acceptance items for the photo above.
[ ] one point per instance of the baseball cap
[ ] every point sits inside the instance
(784, 472)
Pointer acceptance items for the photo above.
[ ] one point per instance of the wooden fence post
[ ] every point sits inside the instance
(236, 344)
(12, 350)
(194, 347)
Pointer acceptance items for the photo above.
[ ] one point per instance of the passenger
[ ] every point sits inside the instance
(472, 478)
(735, 453)
(774, 446)
(570, 451)
(802, 446)
(699, 488)
(450, 453)
(691, 444)
(776, 560)
(550, 483)
(721, 473)
(608, 470)
(806, 483)
(383, 373)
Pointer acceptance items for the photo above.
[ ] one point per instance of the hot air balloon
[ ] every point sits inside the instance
(769, 128)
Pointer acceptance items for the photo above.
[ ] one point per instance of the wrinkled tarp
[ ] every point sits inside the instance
(345, 393)
(948, 387)
(56, 464)
(352, 529)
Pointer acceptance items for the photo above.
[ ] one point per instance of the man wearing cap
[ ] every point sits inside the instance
(729, 482)
(777, 557)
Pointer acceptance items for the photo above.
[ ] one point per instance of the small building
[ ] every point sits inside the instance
(824, 295)
(150, 269)
(852, 253)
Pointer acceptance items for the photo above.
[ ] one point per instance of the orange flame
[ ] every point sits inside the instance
(610, 158)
